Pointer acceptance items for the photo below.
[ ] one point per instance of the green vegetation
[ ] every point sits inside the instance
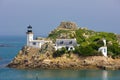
(56, 33)
(61, 34)
(86, 51)
(60, 52)
(89, 41)
(114, 50)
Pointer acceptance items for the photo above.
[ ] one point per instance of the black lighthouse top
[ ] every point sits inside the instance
(29, 29)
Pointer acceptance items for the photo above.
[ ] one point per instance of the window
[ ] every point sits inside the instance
(104, 50)
(34, 43)
(70, 42)
(61, 42)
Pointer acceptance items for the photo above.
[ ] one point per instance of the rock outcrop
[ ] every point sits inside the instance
(66, 30)
(30, 57)
(68, 25)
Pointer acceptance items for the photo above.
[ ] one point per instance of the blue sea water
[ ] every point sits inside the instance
(15, 43)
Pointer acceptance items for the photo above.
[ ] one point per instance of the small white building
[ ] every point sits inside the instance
(69, 44)
(31, 42)
(103, 49)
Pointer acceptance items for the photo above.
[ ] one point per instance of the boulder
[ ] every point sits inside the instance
(68, 25)
(47, 49)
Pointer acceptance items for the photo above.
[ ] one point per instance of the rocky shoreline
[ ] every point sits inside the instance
(31, 58)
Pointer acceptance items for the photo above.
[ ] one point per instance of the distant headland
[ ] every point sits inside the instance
(70, 47)
(5, 45)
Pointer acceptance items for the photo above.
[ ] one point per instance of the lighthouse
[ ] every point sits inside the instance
(33, 42)
(29, 35)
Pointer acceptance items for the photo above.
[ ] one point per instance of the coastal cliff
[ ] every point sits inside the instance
(85, 56)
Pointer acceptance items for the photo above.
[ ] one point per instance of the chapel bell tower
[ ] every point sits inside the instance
(29, 35)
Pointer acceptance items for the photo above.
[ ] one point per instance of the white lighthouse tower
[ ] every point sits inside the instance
(31, 42)
(29, 35)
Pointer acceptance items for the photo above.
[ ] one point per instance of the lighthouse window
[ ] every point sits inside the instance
(34, 43)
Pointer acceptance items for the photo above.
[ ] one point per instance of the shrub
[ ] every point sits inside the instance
(85, 51)
(59, 52)
(115, 49)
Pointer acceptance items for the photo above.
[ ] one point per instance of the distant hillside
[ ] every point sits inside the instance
(89, 40)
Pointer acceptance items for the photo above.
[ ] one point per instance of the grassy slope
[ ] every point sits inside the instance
(89, 40)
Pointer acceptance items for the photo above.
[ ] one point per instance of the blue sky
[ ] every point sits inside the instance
(45, 15)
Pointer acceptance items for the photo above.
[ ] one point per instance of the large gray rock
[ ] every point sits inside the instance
(68, 25)
(47, 48)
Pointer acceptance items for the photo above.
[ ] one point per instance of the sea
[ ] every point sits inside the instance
(9, 47)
